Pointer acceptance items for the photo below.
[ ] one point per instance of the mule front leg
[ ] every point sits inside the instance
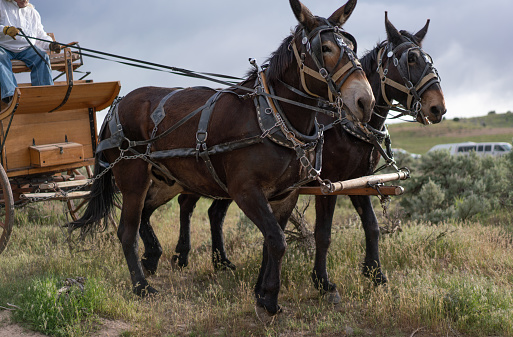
(127, 234)
(133, 181)
(372, 264)
(258, 210)
(324, 209)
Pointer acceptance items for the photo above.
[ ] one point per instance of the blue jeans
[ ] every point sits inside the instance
(40, 73)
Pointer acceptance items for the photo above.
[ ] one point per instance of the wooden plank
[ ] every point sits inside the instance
(64, 184)
(56, 195)
(383, 190)
(25, 171)
(42, 99)
(43, 129)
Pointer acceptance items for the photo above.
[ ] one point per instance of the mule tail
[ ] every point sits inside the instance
(102, 199)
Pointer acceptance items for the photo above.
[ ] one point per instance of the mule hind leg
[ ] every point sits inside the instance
(133, 187)
(217, 213)
(256, 207)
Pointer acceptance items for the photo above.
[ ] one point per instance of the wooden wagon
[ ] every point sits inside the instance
(46, 134)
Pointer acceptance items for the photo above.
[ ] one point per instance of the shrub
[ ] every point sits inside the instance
(446, 187)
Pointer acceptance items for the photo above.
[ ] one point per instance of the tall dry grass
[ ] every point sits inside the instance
(445, 280)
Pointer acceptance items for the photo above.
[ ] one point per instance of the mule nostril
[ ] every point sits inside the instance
(436, 110)
(361, 104)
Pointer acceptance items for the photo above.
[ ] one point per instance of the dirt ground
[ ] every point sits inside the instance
(9, 329)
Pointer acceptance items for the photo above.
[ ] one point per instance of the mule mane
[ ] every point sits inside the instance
(369, 59)
(279, 61)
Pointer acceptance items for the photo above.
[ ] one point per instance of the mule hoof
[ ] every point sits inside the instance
(332, 297)
(375, 274)
(264, 316)
(147, 291)
(148, 268)
(224, 265)
(148, 271)
(176, 264)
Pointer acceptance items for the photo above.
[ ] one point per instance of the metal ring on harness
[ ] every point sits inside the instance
(128, 143)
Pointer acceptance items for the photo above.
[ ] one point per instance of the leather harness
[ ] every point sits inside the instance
(272, 121)
(428, 77)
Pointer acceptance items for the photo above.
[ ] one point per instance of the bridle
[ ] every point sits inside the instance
(428, 77)
(313, 46)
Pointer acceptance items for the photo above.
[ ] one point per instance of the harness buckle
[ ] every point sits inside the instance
(417, 107)
(201, 136)
(323, 72)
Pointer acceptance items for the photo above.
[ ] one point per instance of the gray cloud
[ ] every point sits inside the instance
(467, 39)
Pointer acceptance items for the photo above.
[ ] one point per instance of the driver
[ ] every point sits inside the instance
(16, 15)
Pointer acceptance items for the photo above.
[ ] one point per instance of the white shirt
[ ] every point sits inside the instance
(28, 19)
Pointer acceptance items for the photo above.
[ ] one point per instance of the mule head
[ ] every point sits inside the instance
(417, 84)
(327, 62)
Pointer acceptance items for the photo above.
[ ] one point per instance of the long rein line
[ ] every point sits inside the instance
(151, 65)
(188, 73)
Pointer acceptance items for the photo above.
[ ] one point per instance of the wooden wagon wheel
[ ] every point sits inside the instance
(7, 209)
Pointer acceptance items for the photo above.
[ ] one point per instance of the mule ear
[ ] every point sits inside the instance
(393, 34)
(422, 33)
(343, 13)
(303, 14)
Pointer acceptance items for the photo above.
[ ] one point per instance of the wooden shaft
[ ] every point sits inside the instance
(366, 181)
(383, 190)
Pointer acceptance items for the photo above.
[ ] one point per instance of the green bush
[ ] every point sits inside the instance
(445, 187)
(60, 311)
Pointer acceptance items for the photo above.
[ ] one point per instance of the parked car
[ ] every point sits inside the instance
(402, 152)
(490, 148)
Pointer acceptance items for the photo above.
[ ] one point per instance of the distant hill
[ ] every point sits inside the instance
(416, 138)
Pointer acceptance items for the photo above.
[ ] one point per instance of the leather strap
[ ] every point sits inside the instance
(159, 113)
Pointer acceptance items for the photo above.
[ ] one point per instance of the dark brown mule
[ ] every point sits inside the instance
(345, 156)
(180, 137)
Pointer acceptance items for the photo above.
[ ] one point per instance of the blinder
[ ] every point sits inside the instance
(428, 77)
(350, 38)
(313, 44)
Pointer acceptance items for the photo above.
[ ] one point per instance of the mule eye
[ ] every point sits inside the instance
(412, 58)
(326, 49)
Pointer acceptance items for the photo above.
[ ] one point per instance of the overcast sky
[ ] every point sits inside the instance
(470, 41)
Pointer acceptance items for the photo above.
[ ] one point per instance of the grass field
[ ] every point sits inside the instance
(416, 138)
(452, 279)
(446, 280)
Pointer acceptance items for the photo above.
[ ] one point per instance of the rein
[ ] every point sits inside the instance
(188, 73)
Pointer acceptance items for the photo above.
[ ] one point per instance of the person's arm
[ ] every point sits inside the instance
(41, 34)
(7, 30)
